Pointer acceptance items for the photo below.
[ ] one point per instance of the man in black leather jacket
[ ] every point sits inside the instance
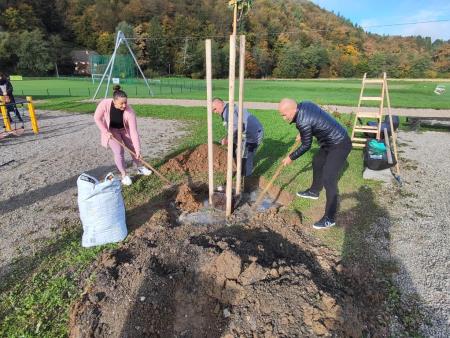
(335, 145)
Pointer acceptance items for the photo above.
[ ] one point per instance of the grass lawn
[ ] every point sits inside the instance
(35, 300)
(408, 94)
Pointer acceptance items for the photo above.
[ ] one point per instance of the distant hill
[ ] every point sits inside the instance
(285, 38)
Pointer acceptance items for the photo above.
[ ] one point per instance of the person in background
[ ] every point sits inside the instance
(6, 90)
(335, 145)
(252, 130)
(117, 120)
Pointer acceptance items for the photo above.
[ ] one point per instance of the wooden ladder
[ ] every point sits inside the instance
(359, 127)
(362, 113)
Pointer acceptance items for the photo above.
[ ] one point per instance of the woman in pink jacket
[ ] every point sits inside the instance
(117, 120)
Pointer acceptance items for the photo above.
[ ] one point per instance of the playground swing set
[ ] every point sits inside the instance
(11, 126)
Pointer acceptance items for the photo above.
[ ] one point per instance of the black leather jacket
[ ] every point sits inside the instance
(311, 120)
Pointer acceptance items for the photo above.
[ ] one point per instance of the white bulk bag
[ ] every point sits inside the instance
(102, 211)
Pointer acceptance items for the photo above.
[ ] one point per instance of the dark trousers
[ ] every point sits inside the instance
(327, 165)
(248, 159)
(11, 107)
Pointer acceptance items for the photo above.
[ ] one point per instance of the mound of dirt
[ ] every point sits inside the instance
(187, 200)
(196, 161)
(263, 277)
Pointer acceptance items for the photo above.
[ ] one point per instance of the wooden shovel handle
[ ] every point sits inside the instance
(143, 162)
(274, 177)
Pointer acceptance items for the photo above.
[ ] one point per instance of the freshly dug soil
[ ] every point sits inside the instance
(187, 200)
(196, 161)
(263, 277)
(253, 275)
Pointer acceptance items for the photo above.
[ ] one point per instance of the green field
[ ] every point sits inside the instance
(403, 93)
(35, 298)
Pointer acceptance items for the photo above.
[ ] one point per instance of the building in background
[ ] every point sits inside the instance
(81, 60)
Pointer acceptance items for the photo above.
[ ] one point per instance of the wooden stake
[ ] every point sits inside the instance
(209, 111)
(232, 75)
(235, 18)
(240, 114)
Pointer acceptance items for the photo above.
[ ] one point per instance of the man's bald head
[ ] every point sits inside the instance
(218, 105)
(287, 108)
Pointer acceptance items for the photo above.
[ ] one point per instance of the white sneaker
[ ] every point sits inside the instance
(144, 171)
(126, 180)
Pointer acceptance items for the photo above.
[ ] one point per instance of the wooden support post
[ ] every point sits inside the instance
(240, 115)
(4, 111)
(232, 75)
(209, 112)
(235, 18)
(391, 124)
(34, 124)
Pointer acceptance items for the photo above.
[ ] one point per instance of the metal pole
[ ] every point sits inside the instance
(113, 57)
(104, 74)
(137, 64)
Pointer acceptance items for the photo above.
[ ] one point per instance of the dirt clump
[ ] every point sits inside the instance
(263, 277)
(187, 200)
(196, 161)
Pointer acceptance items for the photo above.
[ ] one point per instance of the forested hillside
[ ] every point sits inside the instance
(286, 38)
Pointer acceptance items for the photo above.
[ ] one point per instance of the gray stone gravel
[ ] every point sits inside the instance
(420, 227)
(38, 175)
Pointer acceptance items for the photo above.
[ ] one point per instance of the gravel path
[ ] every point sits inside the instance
(420, 231)
(38, 175)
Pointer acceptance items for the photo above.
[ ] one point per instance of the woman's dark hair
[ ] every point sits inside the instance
(118, 93)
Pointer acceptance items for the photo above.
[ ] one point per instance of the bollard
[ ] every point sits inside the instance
(4, 113)
(34, 124)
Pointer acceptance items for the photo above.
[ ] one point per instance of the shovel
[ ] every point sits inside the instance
(165, 180)
(274, 177)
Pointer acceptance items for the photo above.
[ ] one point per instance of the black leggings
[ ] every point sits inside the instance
(11, 107)
(327, 164)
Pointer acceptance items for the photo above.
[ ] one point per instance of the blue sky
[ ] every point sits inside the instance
(384, 12)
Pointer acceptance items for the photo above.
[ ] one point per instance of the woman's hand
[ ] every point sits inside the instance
(224, 141)
(298, 138)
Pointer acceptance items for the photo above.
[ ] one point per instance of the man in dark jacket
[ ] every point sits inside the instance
(252, 132)
(335, 145)
(6, 89)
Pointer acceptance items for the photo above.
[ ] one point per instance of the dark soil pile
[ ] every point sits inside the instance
(264, 278)
(196, 161)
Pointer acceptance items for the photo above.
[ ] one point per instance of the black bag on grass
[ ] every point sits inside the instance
(375, 156)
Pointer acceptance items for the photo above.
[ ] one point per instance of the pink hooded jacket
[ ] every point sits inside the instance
(102, 119)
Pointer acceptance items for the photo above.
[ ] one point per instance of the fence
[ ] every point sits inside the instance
(83, 87)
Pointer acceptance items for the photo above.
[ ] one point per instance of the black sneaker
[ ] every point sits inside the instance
(308, 194)
(324, 223)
